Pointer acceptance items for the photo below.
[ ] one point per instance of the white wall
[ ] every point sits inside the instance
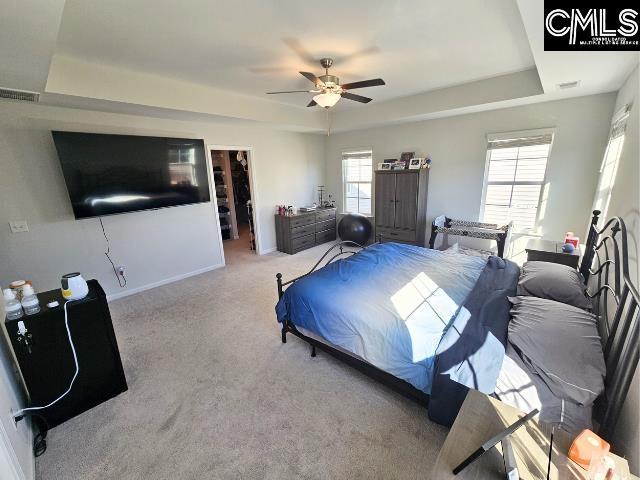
(153, 245)
(625, 202)
(458, 146)
(16, 454)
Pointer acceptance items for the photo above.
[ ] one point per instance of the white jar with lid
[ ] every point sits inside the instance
(30, 302)
(12, 306)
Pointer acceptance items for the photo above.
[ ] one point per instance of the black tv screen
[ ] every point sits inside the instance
(109, 174)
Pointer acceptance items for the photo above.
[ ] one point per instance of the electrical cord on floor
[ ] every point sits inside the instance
(115, 272)
(19, 415)
(40, 438)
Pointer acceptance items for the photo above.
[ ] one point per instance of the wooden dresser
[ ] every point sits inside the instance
(401, 205)
(305, 230)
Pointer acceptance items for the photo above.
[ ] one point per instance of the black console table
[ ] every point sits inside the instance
(47, 365)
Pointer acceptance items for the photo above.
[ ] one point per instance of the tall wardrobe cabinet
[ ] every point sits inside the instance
(401, 205)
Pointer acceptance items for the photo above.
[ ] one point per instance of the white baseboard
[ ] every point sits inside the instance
(11, 468)
(149, 286)
(268, 250)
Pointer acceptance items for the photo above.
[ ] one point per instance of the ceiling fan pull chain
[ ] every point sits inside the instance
(328, 122)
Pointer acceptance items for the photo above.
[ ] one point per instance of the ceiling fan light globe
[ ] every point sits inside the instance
(327, 100)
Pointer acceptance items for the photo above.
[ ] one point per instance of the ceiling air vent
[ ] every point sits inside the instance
(567, 85)
(21, 95)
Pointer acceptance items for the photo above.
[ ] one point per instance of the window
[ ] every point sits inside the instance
(514, 178)
(357, 171)
(610, 161)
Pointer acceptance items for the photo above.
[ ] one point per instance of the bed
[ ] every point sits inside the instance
(432, 325)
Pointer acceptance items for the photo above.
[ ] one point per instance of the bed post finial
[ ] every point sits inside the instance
(592, 238)
(279, 281)
(284, 321)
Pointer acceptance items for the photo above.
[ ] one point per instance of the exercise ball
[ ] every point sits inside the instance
(356, 228)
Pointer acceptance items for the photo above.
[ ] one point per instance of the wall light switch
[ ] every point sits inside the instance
(19, 226)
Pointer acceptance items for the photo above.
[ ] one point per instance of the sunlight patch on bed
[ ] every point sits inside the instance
(426, 310)
(515, 387)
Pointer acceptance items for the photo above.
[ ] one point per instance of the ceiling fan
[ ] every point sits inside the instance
(328, 89)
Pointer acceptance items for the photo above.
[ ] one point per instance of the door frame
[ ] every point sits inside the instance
(252, 186)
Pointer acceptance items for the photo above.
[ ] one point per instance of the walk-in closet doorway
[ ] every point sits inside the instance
(233, 199)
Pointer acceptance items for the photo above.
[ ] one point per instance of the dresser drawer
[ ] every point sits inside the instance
(327, 225)
(321, 216)
(325, 236)
(391, 235)
(303, 230)
(301, 243)
(301, 221)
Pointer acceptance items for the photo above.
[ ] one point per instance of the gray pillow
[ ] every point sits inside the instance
(553, 282)
(561, 344)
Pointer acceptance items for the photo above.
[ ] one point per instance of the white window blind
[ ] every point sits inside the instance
(609, 167)
(514, 179)
(357, 172)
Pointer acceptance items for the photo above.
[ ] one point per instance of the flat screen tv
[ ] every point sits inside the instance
(109, 174)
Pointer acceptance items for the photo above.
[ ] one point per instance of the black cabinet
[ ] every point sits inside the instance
(401, 205)
(46, 361)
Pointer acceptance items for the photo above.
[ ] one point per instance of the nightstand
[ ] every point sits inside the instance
(480, 418)
(539, 250)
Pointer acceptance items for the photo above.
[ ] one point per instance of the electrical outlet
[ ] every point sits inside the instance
(122, 271)
(19, 226)
(13, 417)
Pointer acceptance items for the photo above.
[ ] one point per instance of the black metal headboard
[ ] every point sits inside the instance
(605, 267)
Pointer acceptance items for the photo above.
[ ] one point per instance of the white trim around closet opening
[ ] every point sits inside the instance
(254, 194)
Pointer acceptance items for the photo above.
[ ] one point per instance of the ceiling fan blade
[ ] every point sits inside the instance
(312, 103)
(364, 83)
(295, 45)
(313, 78)
(360, 53)
(268, 70)
(357, 98)
(289, 91)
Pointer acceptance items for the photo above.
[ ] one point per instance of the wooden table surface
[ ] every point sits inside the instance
(480, 418)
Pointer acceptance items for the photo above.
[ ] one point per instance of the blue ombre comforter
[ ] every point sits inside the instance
(390, 304)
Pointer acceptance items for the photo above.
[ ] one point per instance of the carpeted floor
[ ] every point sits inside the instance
(213, 393)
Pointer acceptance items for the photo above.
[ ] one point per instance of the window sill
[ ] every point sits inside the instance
(355, 213)
(534, 234)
